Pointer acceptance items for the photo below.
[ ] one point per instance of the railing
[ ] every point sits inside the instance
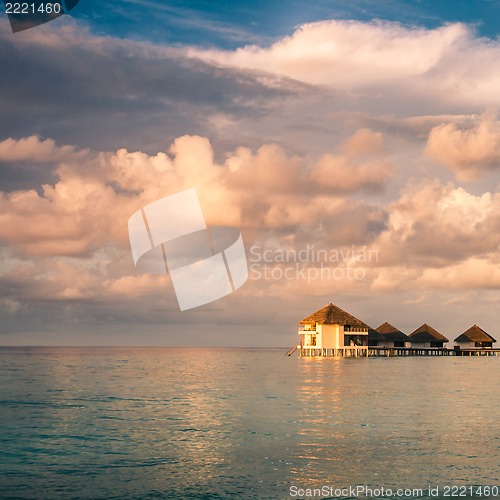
(302, 329)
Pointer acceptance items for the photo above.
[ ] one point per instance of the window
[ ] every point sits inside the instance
(484, 344)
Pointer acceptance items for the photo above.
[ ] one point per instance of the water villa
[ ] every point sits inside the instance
(333, 332)
(426, 337)
(387, 335)
(474, 337)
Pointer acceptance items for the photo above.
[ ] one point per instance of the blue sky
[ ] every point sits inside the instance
(231, 25)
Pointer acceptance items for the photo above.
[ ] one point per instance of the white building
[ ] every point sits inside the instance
(331, 331)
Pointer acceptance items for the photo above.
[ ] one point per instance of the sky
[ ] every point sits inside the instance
(356, 147)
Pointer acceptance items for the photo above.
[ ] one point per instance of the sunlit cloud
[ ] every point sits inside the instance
(469, 152)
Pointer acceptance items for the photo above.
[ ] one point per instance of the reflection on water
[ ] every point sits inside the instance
(207, 423)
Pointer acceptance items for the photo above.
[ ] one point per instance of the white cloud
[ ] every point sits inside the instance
(346, 53)
(389, 61)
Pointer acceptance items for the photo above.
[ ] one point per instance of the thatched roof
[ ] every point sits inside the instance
(427, 334)
(475, 334)
(332, 315)
(389, 332)
(374, 335)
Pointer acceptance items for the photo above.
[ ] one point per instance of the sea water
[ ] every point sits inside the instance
(139, 423)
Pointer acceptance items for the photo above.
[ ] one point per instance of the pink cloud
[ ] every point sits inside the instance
(468, 152)
(273, 197)
(34, 150)
(89, 205)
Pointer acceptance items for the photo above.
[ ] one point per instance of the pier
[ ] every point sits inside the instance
(419, 351)
(389, 352)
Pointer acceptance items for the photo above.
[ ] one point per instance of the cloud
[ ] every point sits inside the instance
(61, 221)
(34, 150)
(267, 193)
(474, 272)
(346, 53)
(438, 221)
(361, 164)
(434, 230)
(65, 251)
(88, 206)
(468, 152)
(398, 66)
(115, 91)
(118, 93)
(304, 142)
(346, 173)
(133, 171)
(68, 243)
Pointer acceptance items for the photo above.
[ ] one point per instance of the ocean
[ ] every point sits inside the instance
(182, 423)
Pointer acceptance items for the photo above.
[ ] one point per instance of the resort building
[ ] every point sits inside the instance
(474, 337)
(387, 335)
(426, 337)
(331, 331)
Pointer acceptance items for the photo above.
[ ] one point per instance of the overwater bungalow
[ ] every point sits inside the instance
(426, 337)
(331, 331)
(474, 337)
(387, 335)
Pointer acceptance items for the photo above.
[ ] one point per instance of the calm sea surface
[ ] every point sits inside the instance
(134, 423)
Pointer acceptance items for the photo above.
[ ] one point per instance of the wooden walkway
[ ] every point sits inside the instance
(408, 351)
(389, 352)
(476, 352)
